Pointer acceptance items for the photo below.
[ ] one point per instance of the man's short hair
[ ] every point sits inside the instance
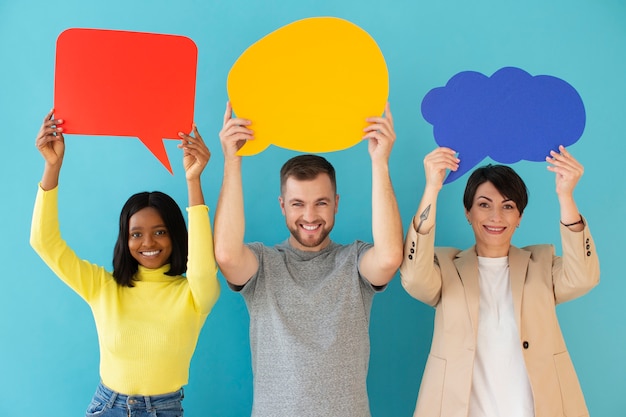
(306, 167)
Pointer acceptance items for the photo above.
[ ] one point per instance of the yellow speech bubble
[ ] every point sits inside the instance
(309, 86)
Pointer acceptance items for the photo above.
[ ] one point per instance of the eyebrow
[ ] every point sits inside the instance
(299, 200)
(156, 226)
(506, 200)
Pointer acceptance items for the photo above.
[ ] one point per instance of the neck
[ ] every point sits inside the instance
(492, 252)
(297, 245)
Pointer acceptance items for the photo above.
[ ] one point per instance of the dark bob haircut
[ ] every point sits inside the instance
(124, 265)
(306, 167)
(506, 181)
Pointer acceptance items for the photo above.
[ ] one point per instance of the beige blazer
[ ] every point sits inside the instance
(539, 281)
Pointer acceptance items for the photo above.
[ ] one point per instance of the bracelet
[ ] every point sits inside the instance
(575, 223)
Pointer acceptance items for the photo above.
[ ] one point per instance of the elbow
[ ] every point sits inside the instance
(392, 259)
(35, 243)
(393, 262)
(419, 288)
(226, 259)
(215, 295)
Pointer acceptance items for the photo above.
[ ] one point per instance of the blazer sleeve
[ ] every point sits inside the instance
(420, 273)
(578, 270)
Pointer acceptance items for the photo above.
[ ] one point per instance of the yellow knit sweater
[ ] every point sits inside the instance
(147, 334)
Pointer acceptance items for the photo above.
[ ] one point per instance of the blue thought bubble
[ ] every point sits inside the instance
(509, 117)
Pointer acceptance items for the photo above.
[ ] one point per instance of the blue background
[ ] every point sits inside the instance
(49, 351)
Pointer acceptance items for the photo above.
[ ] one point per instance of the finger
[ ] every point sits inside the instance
(196, 134)
(564, 161)
(379, 120)
(239, 137)
(236, 129)
(388, 114)
(378, 129)
(228, 114)
(48, 116)
(49, 133)
(374, 135)
(380, 124)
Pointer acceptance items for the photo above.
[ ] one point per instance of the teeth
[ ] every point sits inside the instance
(151, 253)
(495, 229)
(306, 227)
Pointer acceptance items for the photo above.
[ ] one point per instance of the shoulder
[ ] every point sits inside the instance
(258, 247)
(537, 250)
(357, 245)
(450, 253)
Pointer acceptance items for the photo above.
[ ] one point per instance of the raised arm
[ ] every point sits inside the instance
(578, 270)
(45, 235)
(201, 266)
(568, 171)
(51, 144)
(436, 165)
(380, 263)
(236, 261)
(196, 156)
(418, 274)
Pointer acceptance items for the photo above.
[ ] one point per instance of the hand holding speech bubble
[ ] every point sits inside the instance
(120, 83)
(309, 86)
(510, 116)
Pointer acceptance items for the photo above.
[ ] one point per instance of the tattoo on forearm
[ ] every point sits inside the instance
(423, 217)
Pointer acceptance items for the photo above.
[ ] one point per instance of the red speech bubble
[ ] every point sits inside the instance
(121, 83)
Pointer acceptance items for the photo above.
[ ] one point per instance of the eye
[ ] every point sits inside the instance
(322, 203)
(160, 232)
(296, 204)
(509, 207)
(483, 205)
(135, 235)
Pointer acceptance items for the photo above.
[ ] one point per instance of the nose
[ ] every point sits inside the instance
(309, 213)
(496, 214)
(148, 239)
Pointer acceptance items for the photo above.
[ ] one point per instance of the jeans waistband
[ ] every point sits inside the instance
(115, 399)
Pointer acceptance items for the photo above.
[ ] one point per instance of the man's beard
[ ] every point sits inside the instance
(296, 233)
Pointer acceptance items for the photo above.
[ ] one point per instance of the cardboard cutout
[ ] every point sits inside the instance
(120, 83)
(508, 117)
(309, 86)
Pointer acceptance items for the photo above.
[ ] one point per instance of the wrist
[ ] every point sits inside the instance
(573, 223)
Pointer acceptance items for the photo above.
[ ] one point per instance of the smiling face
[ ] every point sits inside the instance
(309, 207)
(149, 241)
(493, 218)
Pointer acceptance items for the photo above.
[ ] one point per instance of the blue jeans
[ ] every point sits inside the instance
(108, 403)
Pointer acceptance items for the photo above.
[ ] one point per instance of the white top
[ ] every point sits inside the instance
(500, 385)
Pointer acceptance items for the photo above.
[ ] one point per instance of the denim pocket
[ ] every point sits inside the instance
(171, 409)
(95, 408)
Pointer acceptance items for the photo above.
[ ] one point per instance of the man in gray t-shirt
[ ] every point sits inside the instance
(309, 298)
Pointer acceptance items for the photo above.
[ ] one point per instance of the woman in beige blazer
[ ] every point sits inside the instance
(497, 347)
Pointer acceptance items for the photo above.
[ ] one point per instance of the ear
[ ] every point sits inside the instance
(336, 203)
(282, 204)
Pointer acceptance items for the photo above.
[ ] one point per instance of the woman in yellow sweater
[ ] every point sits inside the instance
(147, 314)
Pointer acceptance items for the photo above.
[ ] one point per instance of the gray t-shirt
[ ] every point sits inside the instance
(309, 331)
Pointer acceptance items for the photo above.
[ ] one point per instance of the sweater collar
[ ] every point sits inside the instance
(153, 275)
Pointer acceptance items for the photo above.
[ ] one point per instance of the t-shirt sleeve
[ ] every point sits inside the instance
(363, 247)
(248, 287)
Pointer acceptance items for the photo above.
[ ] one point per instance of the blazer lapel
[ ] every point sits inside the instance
(466, 264)
(518, 266)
